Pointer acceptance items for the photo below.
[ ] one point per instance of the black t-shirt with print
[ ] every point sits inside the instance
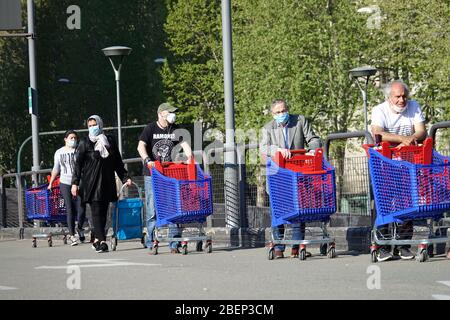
(160, 142)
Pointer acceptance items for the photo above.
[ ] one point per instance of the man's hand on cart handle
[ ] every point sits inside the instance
(128, 183)
(74, 190)
(149, 163)
(286, 153)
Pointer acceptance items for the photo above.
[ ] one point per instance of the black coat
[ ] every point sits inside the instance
(95, 175)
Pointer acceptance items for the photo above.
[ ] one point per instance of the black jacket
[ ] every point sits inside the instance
(94, 174)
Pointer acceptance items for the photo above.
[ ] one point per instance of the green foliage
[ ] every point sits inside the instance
(297, 50)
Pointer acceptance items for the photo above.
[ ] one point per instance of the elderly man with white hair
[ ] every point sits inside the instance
(399, 121)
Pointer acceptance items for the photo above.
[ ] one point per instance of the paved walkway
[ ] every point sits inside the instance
(65, 272)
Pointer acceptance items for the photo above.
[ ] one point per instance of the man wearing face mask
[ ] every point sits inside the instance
(156, 142)
(63, 165)
(401, 122)
(284, 133)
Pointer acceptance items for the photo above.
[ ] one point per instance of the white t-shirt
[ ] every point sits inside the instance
(64, 163)
(402, 123)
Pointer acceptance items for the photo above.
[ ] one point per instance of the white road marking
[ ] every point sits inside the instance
(96, 263)
(7, 288)
(447, 283)
(440, 297)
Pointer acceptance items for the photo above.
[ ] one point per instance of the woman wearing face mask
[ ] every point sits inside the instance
(64, 160)
(98, 157)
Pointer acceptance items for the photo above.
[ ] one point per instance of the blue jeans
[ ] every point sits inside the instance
(174, 230)
(298, 233)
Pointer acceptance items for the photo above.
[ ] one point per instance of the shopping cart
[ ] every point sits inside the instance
(46, 205)
(183, 195)
(409, 183)
(302, 189)
(127, 219)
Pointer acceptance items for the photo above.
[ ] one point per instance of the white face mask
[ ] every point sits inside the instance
(171, 117)
(72, 143)
(399, 109)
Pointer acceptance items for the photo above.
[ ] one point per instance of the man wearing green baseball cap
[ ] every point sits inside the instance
(156, 143)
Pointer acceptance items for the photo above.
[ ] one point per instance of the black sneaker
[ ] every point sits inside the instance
(103, 247)
(406, 254)
(384, 255)
(81, 235)
(95, 245)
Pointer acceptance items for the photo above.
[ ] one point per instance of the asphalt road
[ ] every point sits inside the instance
(65, 272)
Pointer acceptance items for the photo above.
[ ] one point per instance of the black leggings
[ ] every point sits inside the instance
(99, 216)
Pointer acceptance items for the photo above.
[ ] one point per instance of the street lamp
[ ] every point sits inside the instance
(120, 52)
(363, 72)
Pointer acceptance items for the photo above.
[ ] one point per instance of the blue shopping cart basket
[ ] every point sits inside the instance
(182, 193)
(44, 204)
(301, 189)
(415, 188)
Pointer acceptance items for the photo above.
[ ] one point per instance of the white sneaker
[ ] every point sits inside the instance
(74, 241)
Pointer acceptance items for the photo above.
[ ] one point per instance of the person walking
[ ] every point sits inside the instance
(63, 166)
(97, 159)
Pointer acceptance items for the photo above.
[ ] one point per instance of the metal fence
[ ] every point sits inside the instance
(351, 194)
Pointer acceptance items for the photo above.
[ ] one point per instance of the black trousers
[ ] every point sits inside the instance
(99, 216)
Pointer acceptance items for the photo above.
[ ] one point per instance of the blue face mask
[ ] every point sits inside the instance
(282, 118)
(72, 143)
(94, 131)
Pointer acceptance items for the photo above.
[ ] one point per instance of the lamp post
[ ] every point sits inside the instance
(120, 52)
(363, 72)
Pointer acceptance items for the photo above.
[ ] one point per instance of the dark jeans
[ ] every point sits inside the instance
(74, 209)
(404, 232)
(99, 216)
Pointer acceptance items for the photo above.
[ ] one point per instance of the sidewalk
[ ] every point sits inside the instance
(65, 272)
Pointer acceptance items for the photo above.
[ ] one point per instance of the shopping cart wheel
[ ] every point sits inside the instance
(34, 242)
(199, 246)
(50, 242)
(323, 249)
(143, 241)
(113, 243)
(184, 248)
(373, 256)
(422, 256)
(65, 239)
(155, 248)
(332, 253)
(209, 247)
(302, 254)
(271, 253)
(430, 251)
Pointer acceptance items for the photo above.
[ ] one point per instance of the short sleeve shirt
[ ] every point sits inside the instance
(64, 160)
(401, 124)
(159, 142)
